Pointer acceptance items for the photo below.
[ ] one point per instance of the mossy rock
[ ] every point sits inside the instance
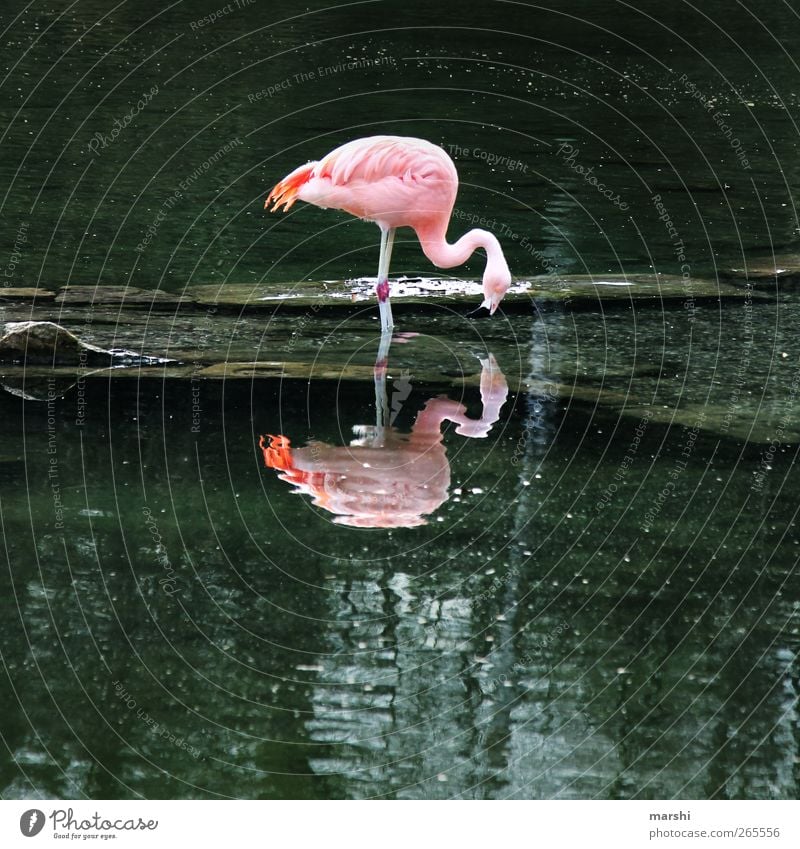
(768, 272)
(26, 293)
(639, 288)
(121, 296)
(571, 290)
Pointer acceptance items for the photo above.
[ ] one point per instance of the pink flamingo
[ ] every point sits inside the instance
(396, 182)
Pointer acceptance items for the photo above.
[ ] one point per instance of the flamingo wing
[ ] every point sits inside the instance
(378, 157)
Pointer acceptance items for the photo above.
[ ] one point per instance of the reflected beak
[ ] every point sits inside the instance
(479, 312)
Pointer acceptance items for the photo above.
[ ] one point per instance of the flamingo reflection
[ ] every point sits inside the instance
(384, 478)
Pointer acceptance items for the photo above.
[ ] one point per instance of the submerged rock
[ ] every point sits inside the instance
(47, 342)
(50, 343)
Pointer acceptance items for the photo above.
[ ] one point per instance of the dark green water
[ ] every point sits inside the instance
(606, 602)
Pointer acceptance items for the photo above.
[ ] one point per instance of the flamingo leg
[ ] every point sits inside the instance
(382, 289)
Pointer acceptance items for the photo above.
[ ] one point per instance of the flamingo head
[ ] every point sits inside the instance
(495, 285)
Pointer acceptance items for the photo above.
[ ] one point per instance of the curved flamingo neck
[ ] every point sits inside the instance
(444, 255)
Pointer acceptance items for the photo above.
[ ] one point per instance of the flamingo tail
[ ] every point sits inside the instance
(285, 192)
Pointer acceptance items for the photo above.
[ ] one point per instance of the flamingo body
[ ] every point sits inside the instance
(393, 181)
(396, 182)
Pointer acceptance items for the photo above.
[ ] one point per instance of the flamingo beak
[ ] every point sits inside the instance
(491, 304)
